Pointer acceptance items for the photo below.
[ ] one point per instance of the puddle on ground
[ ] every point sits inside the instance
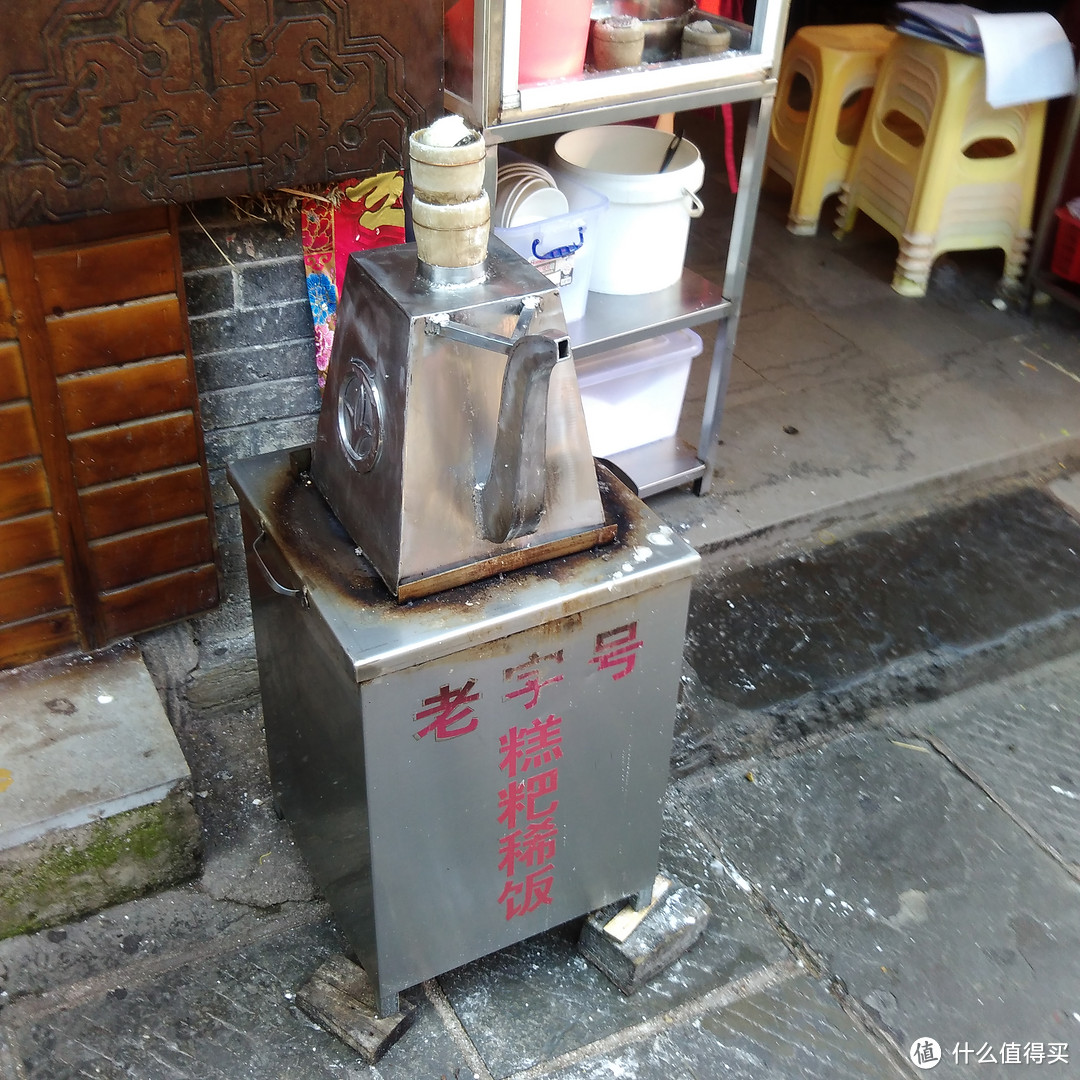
(819, 620)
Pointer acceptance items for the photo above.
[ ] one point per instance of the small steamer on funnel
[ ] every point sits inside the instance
(452, 442)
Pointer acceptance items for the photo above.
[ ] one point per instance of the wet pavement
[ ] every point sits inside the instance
(945, 583)
(812, 642)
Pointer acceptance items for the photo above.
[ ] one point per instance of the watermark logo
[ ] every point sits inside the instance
(925, 1053)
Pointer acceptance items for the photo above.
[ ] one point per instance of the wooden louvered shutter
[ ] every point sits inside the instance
(103, 485)
(37, 615)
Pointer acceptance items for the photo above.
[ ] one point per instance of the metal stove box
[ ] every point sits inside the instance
(465, 770)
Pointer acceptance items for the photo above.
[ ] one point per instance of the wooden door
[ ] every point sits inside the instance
(106, 522)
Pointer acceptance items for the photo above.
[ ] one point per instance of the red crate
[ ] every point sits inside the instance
(1066, 259)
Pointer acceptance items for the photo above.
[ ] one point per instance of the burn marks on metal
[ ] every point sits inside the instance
(341, 565)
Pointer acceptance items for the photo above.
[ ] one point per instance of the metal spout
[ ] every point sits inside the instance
(512, 499)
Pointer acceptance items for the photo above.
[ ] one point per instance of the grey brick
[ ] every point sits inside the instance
(268, 400)
(229, 532)
(216, 241)
(224, 499)
(208, 291)
(272, 282)
(263, 326)
(240, 367)
(231, 444)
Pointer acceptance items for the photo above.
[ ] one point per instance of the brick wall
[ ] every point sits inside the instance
(252, 342)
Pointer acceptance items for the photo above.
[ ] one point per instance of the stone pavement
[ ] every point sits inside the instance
(97, 803)
(915, 880)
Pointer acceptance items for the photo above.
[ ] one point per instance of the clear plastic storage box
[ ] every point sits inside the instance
(564, 247)
(633, 395)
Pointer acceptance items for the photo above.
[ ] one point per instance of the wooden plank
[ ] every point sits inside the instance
(24, 488)
(115, 395)
(340, 998)
(55, 452)
(37, 639)
(88, 230)
(12, 375)
(124, 560)
(113, 272)
(33, 593)
(8, 330)
(136, 331)
(159, 601)
(18, 435)
(27, 541)
(124, 505)
(134, 449)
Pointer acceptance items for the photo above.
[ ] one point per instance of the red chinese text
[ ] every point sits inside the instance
(528, 674)
(452, 714)
(525, 798)
(528, 755)
(521, 897)
(617, 649)
(524, 748)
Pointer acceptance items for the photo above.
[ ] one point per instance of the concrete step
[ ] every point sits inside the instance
(791, 650)
(95, 795)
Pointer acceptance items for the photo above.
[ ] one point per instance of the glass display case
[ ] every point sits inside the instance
(522, 68)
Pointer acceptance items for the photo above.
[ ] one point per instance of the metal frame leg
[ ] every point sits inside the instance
(742, 232)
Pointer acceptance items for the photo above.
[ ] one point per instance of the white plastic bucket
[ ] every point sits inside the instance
(641, 242)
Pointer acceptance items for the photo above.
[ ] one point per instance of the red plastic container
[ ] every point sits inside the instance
(1066, 258)
(554, 36)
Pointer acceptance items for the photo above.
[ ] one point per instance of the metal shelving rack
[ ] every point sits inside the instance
(494, 102)
(1039, 277)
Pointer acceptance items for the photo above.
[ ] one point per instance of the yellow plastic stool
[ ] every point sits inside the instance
(940, 169)
(821, 102)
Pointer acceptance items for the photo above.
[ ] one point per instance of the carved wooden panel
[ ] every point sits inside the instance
(106, 105)
(106, 525)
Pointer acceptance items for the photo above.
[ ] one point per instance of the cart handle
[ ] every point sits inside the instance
(274, 584)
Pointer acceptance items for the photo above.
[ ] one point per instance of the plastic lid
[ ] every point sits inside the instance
(639, 356)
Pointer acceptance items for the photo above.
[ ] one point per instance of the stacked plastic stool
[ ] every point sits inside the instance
(826, 75)
(938, 167)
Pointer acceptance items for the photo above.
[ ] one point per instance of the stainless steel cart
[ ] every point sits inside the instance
(465, 770)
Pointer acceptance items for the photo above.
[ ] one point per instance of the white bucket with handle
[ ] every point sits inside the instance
(641, 241)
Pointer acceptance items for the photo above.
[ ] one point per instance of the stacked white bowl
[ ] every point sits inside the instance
(525, 193)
